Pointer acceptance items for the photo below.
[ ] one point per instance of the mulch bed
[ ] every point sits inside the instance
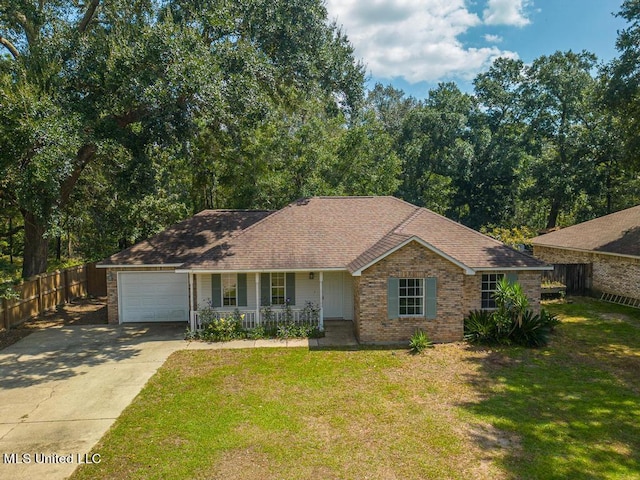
(83, 311)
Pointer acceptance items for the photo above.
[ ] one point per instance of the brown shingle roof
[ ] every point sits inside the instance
(315, 233)
(186, 240)
(351, 232)
(616, 233)
(464, 244)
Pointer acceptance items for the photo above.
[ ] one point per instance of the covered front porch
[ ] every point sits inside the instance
(267, 298)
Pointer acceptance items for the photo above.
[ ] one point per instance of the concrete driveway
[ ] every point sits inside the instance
(62, 388)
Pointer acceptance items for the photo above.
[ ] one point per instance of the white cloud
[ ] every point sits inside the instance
(417, 40)
(493, 38)
(506, 12)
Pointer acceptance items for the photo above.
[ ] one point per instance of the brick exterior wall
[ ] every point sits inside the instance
(112, 288)
(530, 281)
(611, 274)
(457, 294)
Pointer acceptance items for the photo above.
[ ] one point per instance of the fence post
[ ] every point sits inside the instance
(40, 296)
(66, 285)
(5, 314)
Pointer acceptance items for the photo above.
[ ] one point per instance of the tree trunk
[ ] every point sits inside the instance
(11, 240)
(553, 214)
(36, 246)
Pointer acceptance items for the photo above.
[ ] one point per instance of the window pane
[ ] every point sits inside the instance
(277, 288)
(488, 287)
(229, 289)
(410, 296)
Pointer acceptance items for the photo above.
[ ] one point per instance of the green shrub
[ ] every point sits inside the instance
(529, 330)
(480, 327)
(224, 329)
(216, 328)
(419, 341)
(534, 329)
(551, 320)
(261, 331)
(297, 330)
(310, 313)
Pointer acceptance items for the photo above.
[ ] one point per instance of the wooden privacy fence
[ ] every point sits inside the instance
(47, 291)
(575, 276)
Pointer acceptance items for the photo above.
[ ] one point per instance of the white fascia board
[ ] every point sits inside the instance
(582, 250)
(164, 265)
(512, 269)
(267, 270)
(467, 270)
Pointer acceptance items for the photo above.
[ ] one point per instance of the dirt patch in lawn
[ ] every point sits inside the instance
(83, 311)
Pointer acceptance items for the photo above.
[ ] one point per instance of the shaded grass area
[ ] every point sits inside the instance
(571, 410)
(576, 405)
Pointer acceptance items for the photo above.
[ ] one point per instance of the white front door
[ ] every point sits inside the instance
(333, 293)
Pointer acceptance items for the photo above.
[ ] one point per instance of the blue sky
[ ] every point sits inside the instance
(414, 44)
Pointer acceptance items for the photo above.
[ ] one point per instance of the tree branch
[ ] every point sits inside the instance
(84, 156)
(29, 30)
(12, 231)
(88, 15)
(14, 51)
(130, 117)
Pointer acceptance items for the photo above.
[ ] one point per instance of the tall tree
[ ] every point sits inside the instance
(623, 76)
(108, 84)
(556, 98)
(71, 86)
(487, 183)
(433, 142)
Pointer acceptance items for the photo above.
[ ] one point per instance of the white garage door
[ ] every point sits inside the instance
(153, 297)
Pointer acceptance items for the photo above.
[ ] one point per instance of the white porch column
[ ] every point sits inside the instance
(192, 300)
(257, 275)
(321, 321)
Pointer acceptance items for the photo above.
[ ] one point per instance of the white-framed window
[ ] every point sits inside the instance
(489, 284)
(229, 290)
(411, 296)
(278, 289)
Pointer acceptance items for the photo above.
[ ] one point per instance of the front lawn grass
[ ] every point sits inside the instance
(571, 410)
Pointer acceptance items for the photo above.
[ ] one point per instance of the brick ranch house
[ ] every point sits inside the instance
(611, 244)
(387, 265)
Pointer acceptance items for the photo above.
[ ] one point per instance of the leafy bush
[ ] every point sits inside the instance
(310, 313)
(512, 322)
(533, 331)
(224, 329)
(552, 321)
(8, 292)
(480, 327)
(298, 330)
(530, 330)
(511, 236)
(419, 341)
(262, 331)
(217, 328)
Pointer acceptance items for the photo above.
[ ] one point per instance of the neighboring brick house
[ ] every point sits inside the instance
(387, 265)
(611, 244)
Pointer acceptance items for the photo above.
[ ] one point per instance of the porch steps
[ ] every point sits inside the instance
(620, 300)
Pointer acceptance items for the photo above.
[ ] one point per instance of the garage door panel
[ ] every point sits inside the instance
(153, 297)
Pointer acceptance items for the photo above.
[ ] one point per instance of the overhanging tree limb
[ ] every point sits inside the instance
(88, 15)
(28, 27)
(84, 156)
(9, 46)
